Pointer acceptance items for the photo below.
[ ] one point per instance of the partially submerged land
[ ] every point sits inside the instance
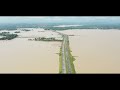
(33, 50)
(45, 39)
(65, 58)
(95, 50)
(23, 56)
(7, 36)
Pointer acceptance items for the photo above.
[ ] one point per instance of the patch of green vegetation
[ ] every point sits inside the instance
(17, 32)
(7, 36)
(30, 39)
(60, 60)
(46, 39)
(57, 53)
(4, 33)
(71, 61)
(25, 30)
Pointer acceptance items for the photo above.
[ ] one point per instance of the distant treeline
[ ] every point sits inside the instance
(15, 26)
(45, 39)
(84, 27)
(50, 26)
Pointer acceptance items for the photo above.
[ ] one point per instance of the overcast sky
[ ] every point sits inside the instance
(28, 19)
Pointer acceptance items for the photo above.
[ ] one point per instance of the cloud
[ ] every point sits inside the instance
(57, 18)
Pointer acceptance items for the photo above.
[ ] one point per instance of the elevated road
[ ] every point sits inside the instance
(66, 57)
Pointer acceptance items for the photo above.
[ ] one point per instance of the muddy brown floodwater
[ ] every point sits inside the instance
(97, 51)
(22, 56)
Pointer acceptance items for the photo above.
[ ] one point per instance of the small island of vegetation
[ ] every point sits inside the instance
(7, 36)
(17, 32)
(45, 39)
(25, 30)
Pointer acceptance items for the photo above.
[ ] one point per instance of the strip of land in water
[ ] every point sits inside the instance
(66, 59)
